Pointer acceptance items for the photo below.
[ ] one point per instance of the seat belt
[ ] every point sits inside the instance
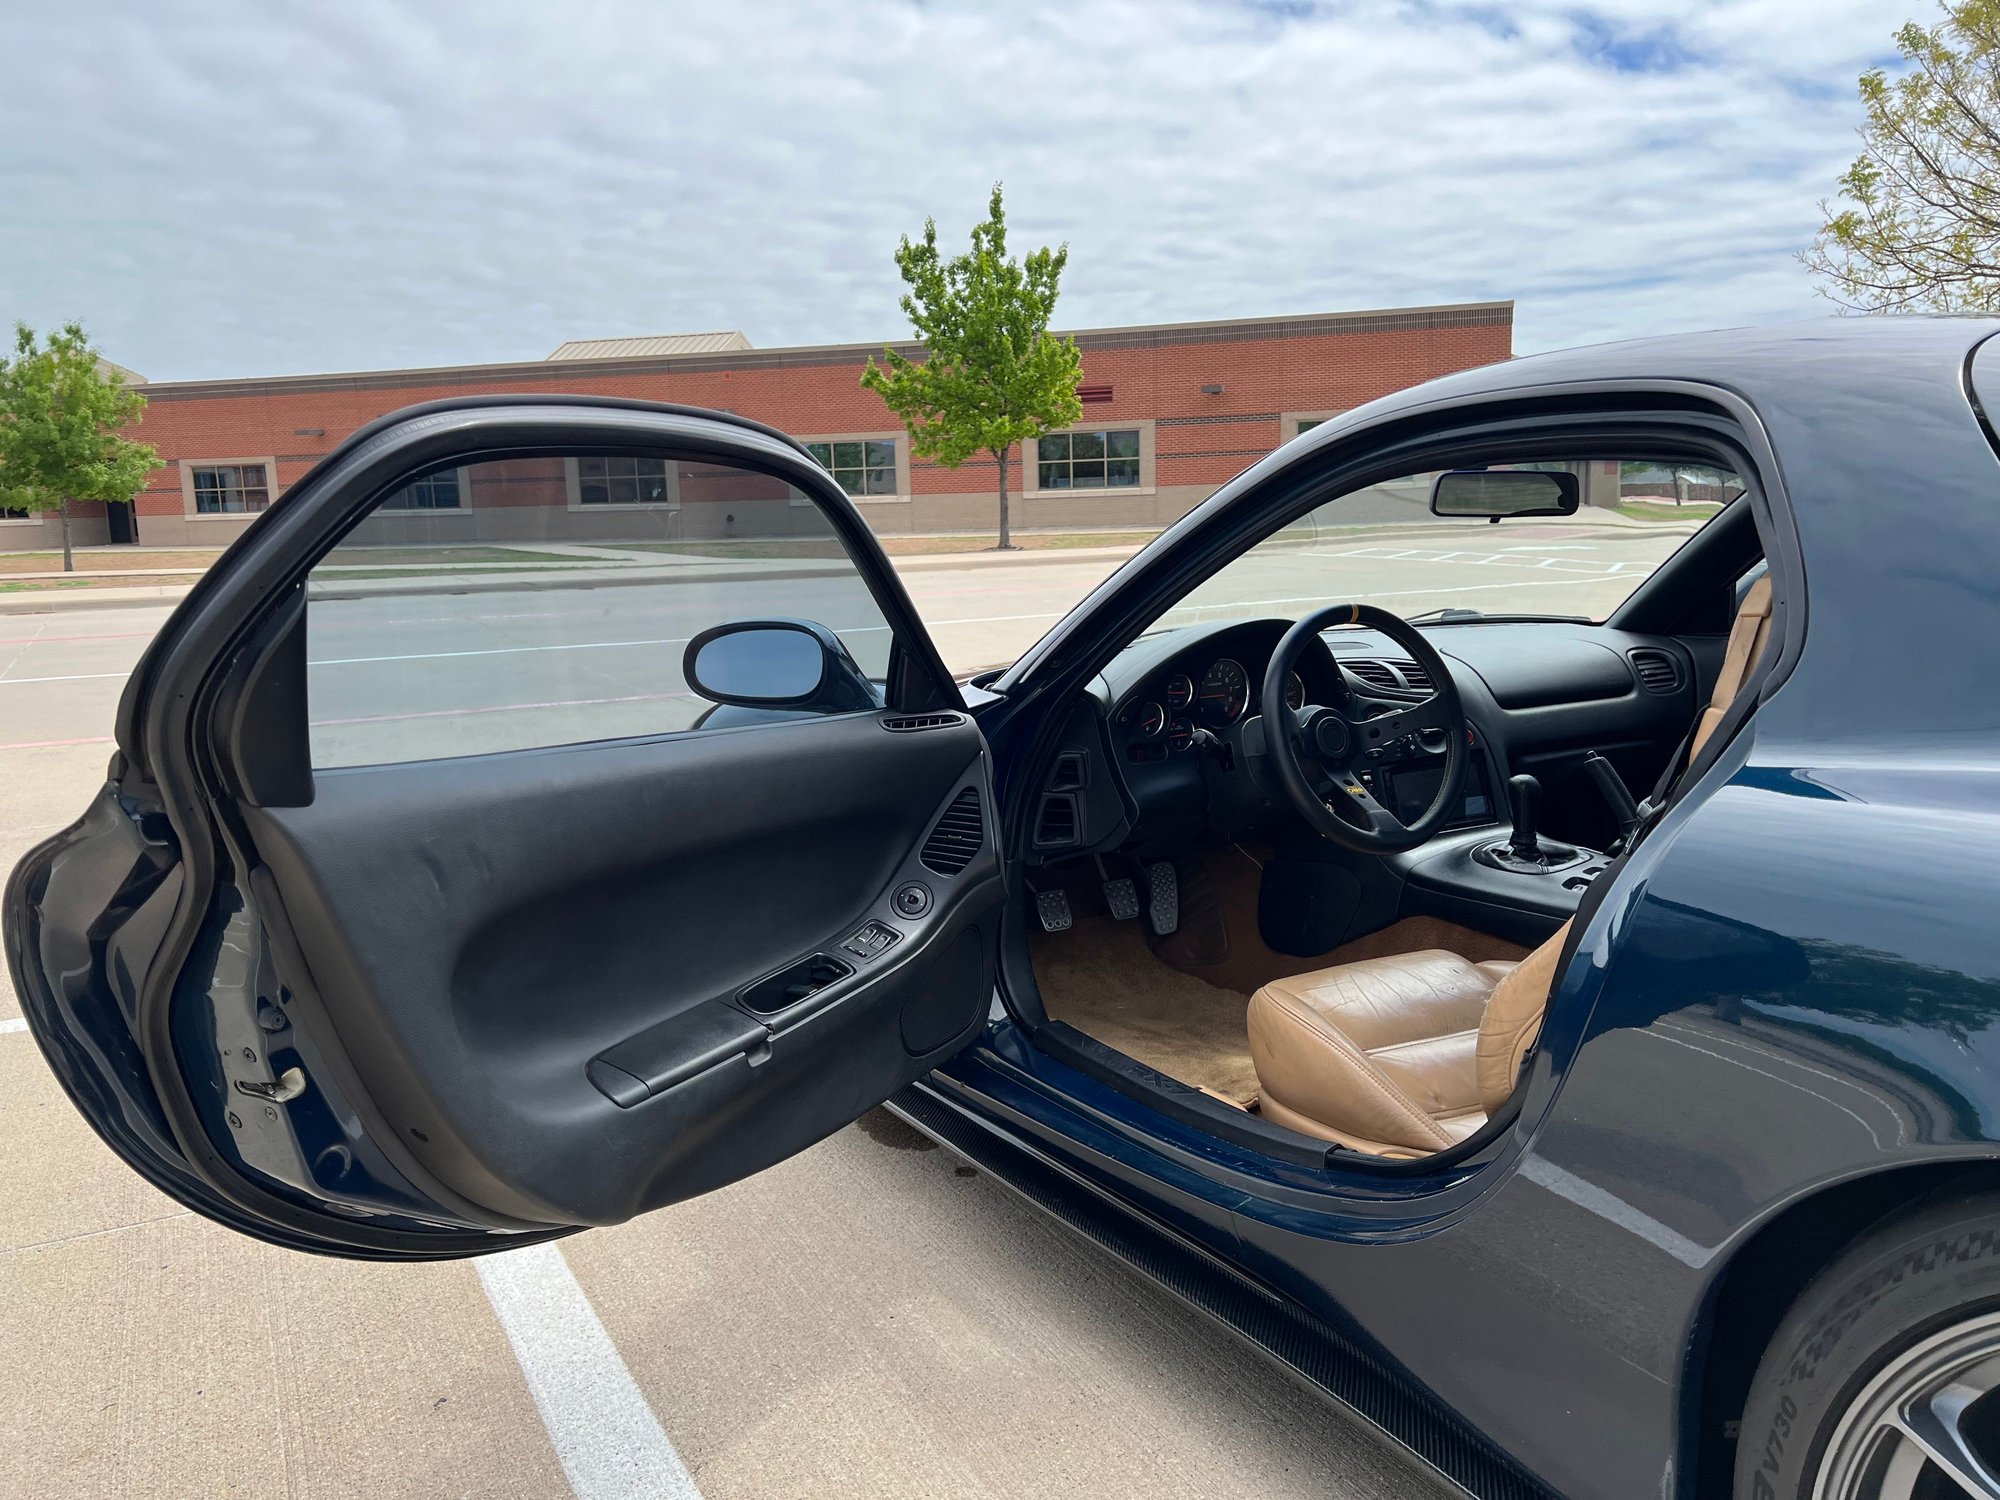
(1740, 708)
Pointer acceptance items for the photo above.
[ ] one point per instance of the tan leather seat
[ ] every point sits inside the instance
(1408, 1055)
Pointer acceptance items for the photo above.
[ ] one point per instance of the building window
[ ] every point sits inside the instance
(622, 481)
(439, 491)
(1089, 460)
(1292, 424)
(230, 489)
(864, 467)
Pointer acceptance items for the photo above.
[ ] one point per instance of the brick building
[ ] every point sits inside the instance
(1170, 411)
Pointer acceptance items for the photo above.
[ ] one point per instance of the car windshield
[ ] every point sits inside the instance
(1382, 545)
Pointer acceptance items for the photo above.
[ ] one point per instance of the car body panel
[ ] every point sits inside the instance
(1785, 991)
(1790, 986)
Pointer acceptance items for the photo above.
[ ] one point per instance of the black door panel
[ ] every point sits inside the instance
(553, 908)
(427, 913)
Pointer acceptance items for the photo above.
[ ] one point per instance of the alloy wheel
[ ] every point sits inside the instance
(1927, 1427)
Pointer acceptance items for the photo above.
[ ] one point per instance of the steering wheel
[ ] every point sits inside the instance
(1320, 750)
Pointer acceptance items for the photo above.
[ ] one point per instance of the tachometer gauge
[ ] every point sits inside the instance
(1180, 736)
(1180, 692)
(1225, 693)
(1295, 692)
(1148, 719)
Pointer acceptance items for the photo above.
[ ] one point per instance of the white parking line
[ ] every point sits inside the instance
(13, 1023)
(606, 1437)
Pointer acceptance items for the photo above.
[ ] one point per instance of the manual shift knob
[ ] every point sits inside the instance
(1524, 798)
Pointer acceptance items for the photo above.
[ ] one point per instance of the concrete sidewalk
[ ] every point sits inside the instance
(448, 578)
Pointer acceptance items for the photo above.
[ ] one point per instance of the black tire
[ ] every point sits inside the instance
(1909, 1279)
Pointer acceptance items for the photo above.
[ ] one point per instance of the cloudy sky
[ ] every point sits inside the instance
(239, 187)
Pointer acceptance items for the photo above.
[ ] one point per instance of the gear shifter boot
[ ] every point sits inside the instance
(1525, 849)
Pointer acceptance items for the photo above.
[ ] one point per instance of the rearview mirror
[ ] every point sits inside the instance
(776, 664)
(1495, 493)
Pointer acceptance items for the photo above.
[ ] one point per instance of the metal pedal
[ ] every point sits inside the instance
(1053, 909)
(1122, 896)
(1163, 910)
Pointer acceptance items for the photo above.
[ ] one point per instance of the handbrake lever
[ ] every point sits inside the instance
(1615, 792)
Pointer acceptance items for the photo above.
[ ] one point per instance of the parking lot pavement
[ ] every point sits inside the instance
(868, 1318)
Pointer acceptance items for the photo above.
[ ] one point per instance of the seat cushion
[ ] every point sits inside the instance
(1380, 1055)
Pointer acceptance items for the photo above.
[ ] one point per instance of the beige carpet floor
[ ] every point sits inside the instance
(1101, 978)
(1180, 1009)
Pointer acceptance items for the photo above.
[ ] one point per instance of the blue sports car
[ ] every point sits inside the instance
(1499, 906)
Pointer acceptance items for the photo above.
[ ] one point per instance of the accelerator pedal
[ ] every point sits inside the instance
(1052, 907)
(1163, 898)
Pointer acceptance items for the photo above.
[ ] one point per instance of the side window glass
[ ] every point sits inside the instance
(526, 602)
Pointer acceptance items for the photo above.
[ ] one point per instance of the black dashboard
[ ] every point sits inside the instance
(1173, 725)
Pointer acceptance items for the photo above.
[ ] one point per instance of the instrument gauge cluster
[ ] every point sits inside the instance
(1225, 693)
(1167, 713)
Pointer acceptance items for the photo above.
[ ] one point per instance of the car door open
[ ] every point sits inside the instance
(549, 810)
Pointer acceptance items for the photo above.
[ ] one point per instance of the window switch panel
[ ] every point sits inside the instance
(871, 941)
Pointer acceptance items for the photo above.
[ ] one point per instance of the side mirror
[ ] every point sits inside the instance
(776, 664)
(1492, 494)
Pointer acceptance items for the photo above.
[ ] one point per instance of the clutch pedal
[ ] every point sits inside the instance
(1163, 891)
(1053, 909)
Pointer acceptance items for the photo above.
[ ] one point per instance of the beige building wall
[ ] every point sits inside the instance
(44, 532)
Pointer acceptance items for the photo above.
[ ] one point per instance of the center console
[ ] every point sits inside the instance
(1514, 884)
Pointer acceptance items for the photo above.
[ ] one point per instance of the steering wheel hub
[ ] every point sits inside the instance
(1332, 740)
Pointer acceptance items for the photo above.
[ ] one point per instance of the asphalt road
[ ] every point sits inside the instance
(868, 1318)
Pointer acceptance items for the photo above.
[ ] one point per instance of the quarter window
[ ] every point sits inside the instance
(1107, 459)
(230, 489)
(432, 492)
(866, 466)
(622, 481)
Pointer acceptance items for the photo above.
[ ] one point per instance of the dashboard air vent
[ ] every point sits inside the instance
(1070, 772)
(957, 837)
(1055, 822)
(1374, 673)
(1657, 670)
(911, 723)
(1390, 676)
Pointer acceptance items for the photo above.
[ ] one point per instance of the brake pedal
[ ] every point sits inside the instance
(1163, 909)
(1053, 909)
(1122, 896)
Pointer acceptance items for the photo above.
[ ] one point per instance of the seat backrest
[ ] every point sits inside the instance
(1513, 1017)
(1747, 640)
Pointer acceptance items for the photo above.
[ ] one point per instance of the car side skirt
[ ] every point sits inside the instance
(1307, 1348)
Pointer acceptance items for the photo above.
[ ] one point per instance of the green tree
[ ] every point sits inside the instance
(62, 411)
(992, 374)
(1917, 224)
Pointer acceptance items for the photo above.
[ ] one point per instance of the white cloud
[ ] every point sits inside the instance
(251, 188)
